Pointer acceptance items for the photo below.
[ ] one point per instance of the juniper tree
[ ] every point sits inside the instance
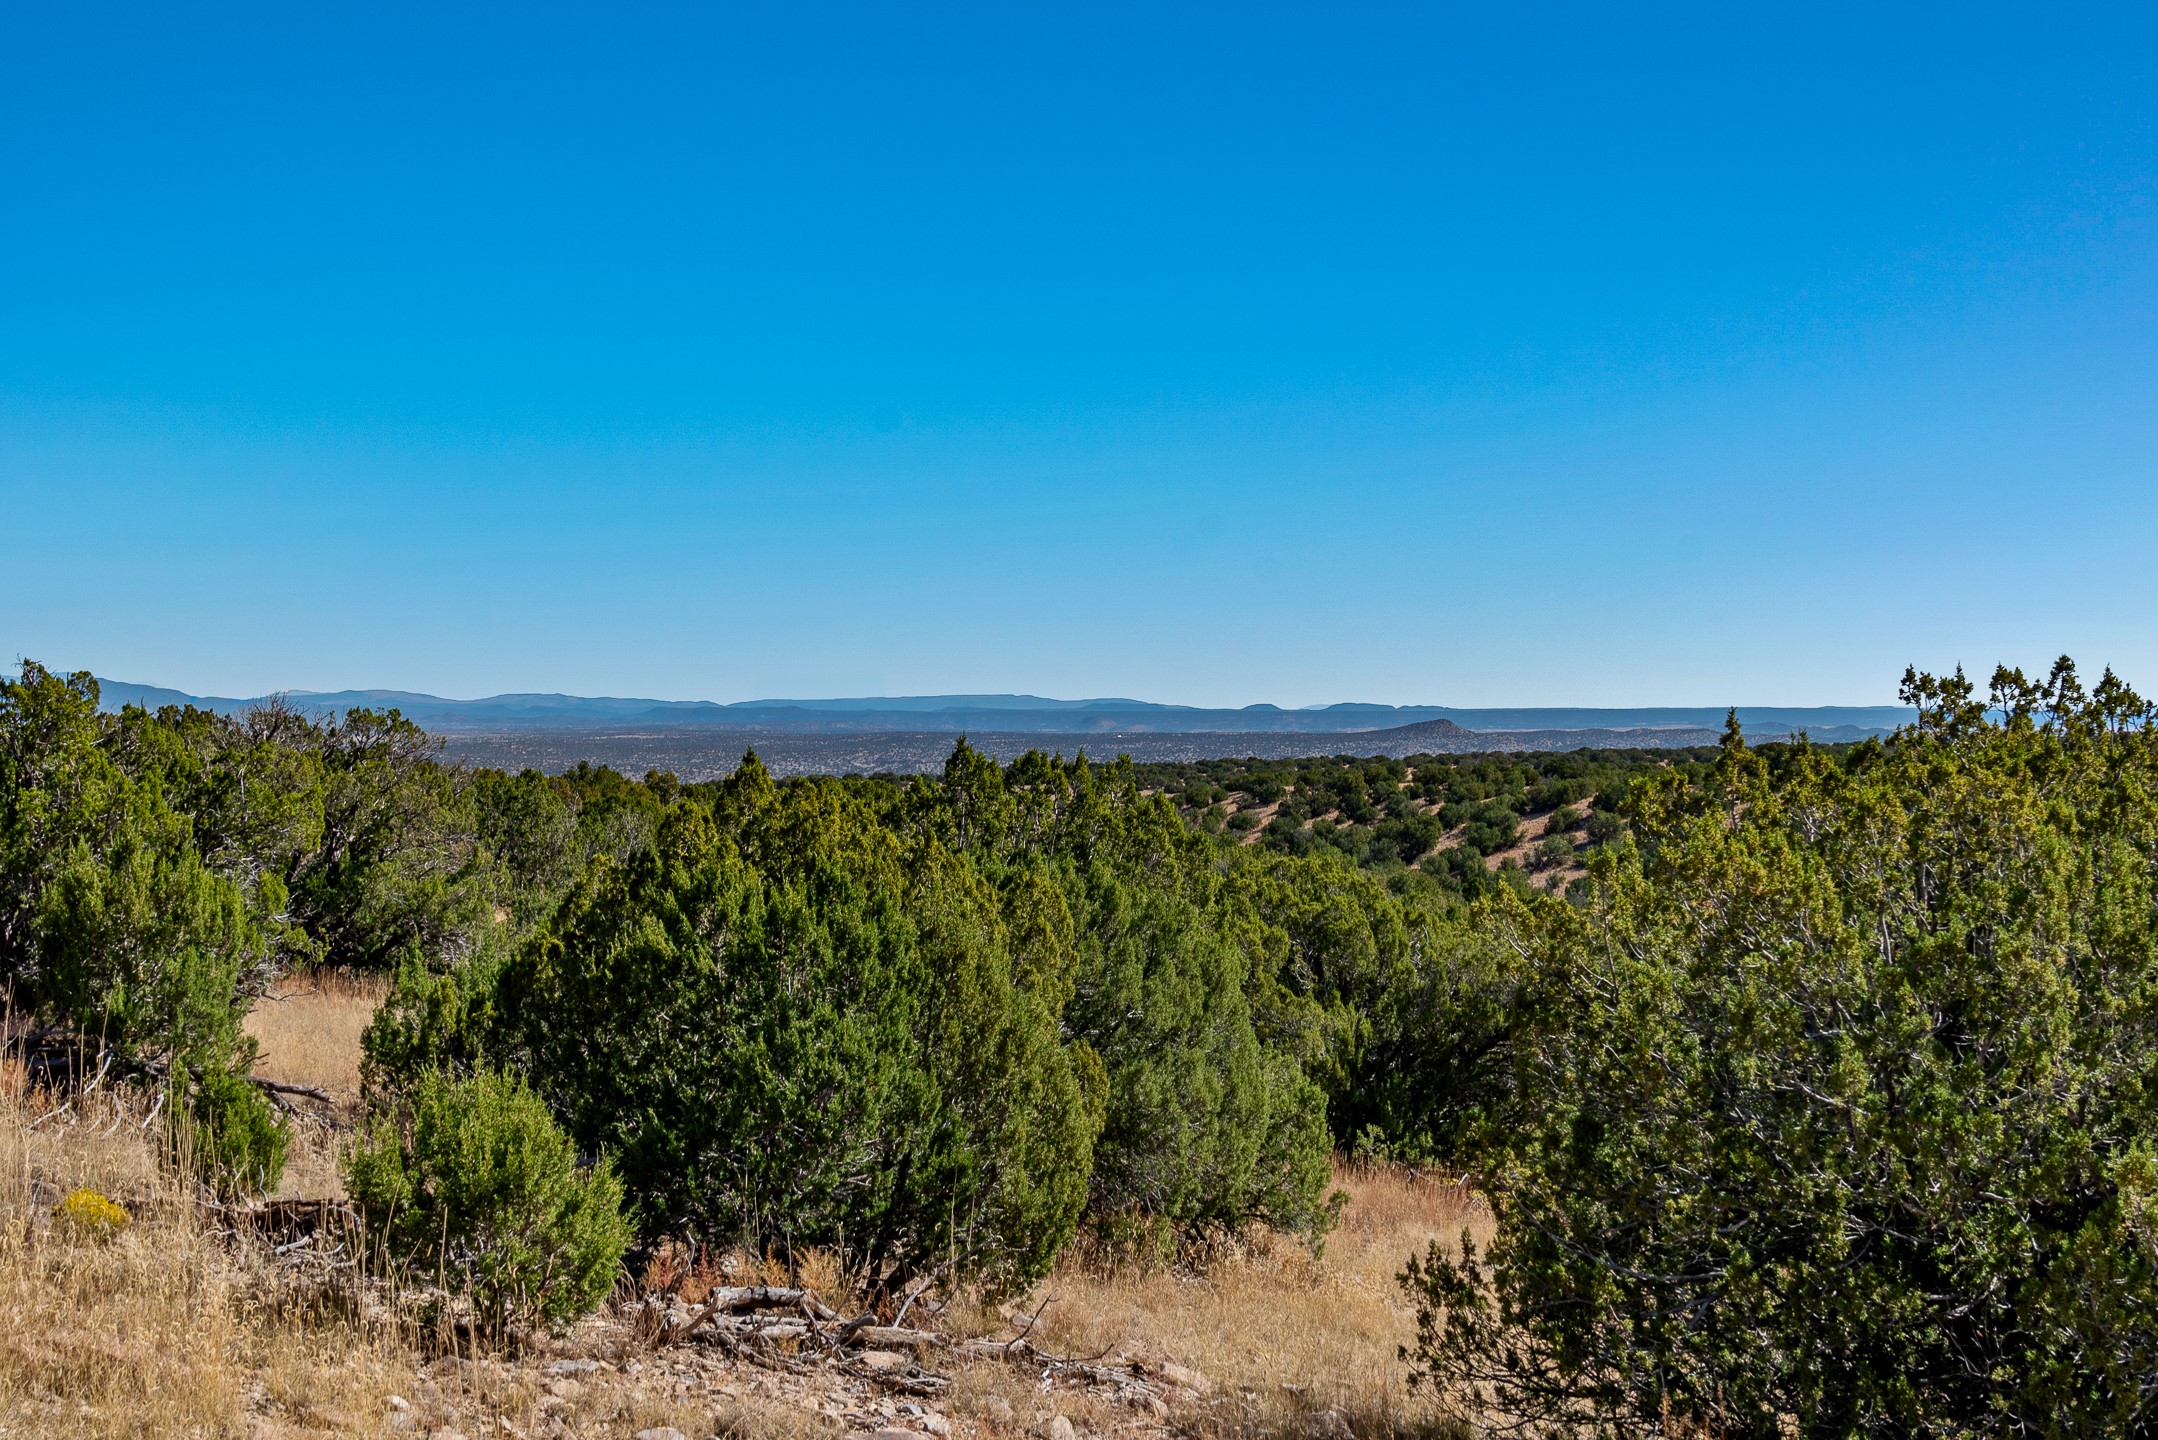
(1835, 1100)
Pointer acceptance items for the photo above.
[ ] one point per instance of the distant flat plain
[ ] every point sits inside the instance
(707, 754)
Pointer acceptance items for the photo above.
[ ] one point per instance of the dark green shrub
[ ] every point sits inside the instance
(1552, 793)
(1562, 820)
(1352, 841)
(113, 923)
(1408, 838)
(433, 1021)
(1208, 1123)
(145, 950)
(1284, 835)
(227, 1131)
(1553, 850)
(1451, 863)
(529, 830)
(1205, 1125)
(471, 1181)
(390, 860)
(808, 1032)
(1394, 1001)
(1492, 828)
(1832, 1098)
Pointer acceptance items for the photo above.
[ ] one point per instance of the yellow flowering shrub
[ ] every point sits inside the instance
(90, 1214)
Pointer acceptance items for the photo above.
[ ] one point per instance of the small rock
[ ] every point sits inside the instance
(885, 1361)
(934, 1425)
(1333, 1424)
(572, 1367)
(1176, 1374)
(1058, 1427)
(397, 1402)
(998, 1409)
(910, 1408)
(661, 1432)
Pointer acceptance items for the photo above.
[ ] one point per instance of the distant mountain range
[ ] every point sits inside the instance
(1007, 715)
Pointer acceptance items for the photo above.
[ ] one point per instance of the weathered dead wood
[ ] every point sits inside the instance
(914, 1382)
(748, 1322)
(55, 1057)
(889, 1337)
(733, 1299)
(1130, 1379)
(280, 1087)
(740, 1299)
(761, 1329)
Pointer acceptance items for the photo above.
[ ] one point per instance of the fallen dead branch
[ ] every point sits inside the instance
(55, 1058)
(791, 1330)
(666, 1322)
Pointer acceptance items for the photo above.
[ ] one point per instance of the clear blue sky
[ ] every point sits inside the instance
(1477, 355)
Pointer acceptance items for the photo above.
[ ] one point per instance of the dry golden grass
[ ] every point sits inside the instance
(174, 1328)
(309, 1028)
(163, 1329)
(1293, 1343)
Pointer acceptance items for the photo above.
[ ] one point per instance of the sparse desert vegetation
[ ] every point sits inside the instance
(1026, 1099)
(180, 1324)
